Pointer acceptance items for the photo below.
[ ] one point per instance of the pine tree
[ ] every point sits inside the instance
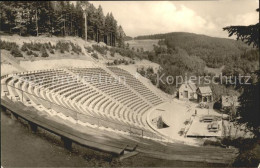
(80, 20)
(7, 15)
(91, 22)
(110, 29)
(249, 100)
(60, 18)
(113, 29)
(120, 36)
(100, 24)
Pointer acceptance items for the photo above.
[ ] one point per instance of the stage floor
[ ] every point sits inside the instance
(176, 114)
(200, 129)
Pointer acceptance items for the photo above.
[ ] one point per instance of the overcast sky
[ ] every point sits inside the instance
(201, 17)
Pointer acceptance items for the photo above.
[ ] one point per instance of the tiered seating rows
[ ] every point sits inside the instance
(137, 85)
(125, 107)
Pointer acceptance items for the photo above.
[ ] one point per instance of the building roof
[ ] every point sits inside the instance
(205, 90)
(191, 85)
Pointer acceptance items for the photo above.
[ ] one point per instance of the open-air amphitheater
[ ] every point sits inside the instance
(105, 101)
(88, 95)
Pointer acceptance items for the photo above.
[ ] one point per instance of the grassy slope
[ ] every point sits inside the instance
(57, 59)
(147, 45)
(15, 64)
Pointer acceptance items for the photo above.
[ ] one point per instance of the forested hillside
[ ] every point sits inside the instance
(214, 51)
(60, 18)
(186, 54)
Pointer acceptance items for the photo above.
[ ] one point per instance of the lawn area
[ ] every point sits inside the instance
(147, 45)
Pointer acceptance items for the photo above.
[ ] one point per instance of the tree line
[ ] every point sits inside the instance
(60, 18)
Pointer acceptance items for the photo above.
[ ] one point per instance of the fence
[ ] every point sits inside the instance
(28, 98)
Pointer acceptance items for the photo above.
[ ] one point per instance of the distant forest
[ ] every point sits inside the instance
(216, 52)
(186, 54)
(127, 38)
(60, 18)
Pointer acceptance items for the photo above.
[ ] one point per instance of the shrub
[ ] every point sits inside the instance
(47, 46)
(112, 52)
(35, 54)
(116, 62)
(141, 71)
(241, 143)
(44, 52)
(121, 61)
(132, 62)
(150, 70)
(16, 52)
(247, 151)
(52, 51)
(35, 46)
(63, 46)
(24, 48)
(32, 46)
(100, 49)
(89, 49)
(29, 52)
(75, 48)
(246, 159)
(94, 55)
(217, 105)
(124, 52)
(8, 45)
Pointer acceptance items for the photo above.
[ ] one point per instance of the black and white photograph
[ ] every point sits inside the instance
(130, 83)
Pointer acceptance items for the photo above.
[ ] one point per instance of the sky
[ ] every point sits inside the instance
(200, 17)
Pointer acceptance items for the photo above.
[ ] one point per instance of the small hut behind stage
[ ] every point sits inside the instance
(187, 91)
(229, 101)
(204, 94)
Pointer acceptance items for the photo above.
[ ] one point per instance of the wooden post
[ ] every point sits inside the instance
(66, 142)
(14, 116)
(3, 108)
(32, 127)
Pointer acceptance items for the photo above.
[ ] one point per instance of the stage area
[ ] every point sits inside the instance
(203, 129)
(182, 121)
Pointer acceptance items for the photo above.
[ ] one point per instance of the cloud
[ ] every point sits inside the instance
(140, 17)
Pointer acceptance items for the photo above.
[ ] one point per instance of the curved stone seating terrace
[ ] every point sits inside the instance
(68, 91)
(137, 85)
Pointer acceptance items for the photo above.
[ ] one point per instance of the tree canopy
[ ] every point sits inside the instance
(59, 18)
(248, 34)
(249, 109)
